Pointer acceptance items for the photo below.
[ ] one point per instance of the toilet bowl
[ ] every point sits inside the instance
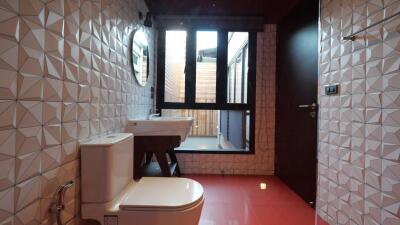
(112, 197)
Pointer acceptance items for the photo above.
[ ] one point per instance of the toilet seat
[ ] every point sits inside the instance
(162, 194)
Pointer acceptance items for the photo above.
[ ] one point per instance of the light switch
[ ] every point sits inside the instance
(332, 89)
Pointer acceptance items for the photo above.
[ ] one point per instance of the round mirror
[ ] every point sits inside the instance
(140, 56)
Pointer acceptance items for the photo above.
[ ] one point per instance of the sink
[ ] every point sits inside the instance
(161, 126)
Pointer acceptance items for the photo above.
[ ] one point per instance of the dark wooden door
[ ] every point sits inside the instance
(297, 86)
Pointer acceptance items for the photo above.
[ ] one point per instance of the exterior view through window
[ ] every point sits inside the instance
(213, 129)
(175, 60)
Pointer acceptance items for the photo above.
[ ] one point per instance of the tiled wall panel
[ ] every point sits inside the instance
(262, 162)
(64, 77)
(359, 129)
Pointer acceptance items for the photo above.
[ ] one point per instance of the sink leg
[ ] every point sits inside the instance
(149, 156)
(172, 155)
(163, 162)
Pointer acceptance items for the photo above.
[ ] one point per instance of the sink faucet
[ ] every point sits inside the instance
(153, 115)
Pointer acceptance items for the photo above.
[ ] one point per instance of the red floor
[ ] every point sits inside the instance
(238, 200)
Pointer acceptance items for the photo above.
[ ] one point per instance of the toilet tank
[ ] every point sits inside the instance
(106, 167)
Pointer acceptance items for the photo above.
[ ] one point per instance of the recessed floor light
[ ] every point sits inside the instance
(263, 186)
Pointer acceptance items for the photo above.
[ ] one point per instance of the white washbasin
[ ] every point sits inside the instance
(161, 126)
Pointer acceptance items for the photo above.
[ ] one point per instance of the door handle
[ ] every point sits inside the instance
(312, 106)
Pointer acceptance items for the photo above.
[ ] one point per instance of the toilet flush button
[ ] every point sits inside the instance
(111, 220)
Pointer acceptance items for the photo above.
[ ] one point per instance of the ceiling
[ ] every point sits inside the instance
(271, 10)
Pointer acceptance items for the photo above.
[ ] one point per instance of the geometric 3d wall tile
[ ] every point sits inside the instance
(389, 218)
(83, 111)
(69, 132)
(8, 54)
(83, 93)
(6, 174)
(83, 130)
(54, 20)
(70, 151)
(27, 166)
(391, 152)
(8, 84)
(71, 52)
(373, 132)
(55, 56)
(391, 100)
(391, 82)
(32, 33)
(69, 113)
(71, 13)
(94, 127)
(53, 67)
(7, 144)
(374, 84)
(391, 64)
(373, 100)
(70, 92)
(70, 71)
(371, 193)
(9, 24)
(373, 115)
(52, 90)
(29, 215)
(52, 112)
(71, 169)
(30, 87)
(84, 75)
(391, 135)
(28, 140)
(50, 158)
(358, 86)
(391, 117)
(27, 193)
(374, 52)
(95, 95)
(6, 203)
(85, 57)
(391, 47)
(374, 68)
(51, 135)
(7, 114)
(29, 113)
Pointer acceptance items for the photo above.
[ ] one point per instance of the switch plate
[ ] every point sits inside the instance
(332, 89)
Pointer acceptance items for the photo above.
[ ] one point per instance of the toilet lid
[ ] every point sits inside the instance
(162, 193)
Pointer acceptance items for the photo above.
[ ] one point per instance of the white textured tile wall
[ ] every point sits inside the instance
(359, 129)
(64, 77)
(262, 162)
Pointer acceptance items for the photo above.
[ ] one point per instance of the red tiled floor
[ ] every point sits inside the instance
(238, 200)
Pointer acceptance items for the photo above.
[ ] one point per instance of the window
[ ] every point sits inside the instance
(209, 75)
(175, 61)
(206, 66)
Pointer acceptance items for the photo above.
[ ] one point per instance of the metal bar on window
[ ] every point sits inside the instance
(222, 75)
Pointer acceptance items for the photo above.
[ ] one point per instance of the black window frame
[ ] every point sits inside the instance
(221, 79)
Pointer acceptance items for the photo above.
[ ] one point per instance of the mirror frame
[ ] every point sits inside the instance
(132, 36)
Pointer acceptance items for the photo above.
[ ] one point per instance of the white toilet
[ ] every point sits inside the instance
(112, 197)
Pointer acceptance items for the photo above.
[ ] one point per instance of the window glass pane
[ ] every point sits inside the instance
(237, 67)
(206, 66)
(175, 61)
(215, 130)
